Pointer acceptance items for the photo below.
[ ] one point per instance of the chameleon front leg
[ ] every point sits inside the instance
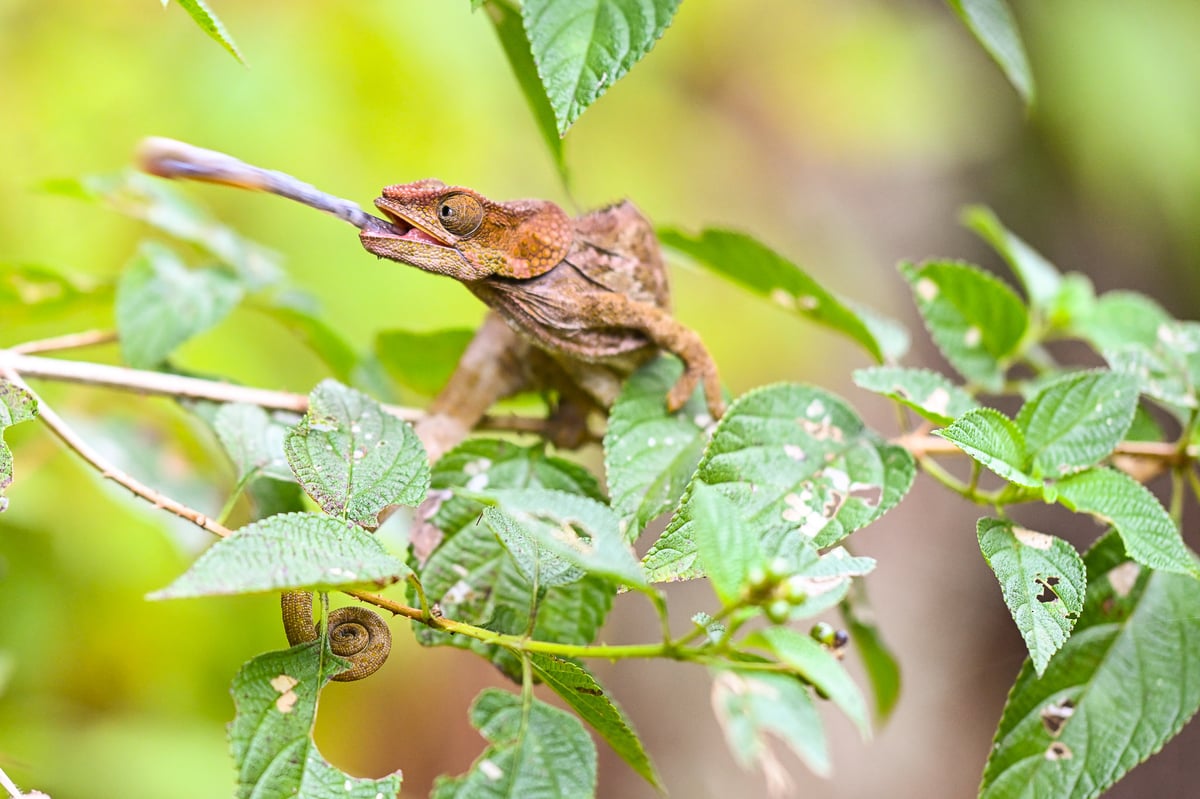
(618, 310)
(492, 367)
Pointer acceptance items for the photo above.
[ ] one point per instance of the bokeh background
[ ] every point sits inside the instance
(847, 133)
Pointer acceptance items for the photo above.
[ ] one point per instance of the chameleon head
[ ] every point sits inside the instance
(457, 232)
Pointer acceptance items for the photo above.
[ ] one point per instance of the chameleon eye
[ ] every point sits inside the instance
(460, 214)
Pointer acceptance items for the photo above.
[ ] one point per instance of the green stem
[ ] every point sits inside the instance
(976, 470)
(1176, 509)
(519, 643)
(1194, 481)
(422, 600)
(965, 490)
(235, 495)
(660, 607)
(526, 688)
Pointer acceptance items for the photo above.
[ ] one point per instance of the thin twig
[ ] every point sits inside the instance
(921, 445)
(156, 383)
(106, 469)
(110, 472)
(71, 341)
(179, 386)
(9, 786)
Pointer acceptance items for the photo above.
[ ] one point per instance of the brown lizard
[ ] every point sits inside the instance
(590, 293)
(577, 304)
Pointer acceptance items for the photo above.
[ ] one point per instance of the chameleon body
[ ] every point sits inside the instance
(587, 298)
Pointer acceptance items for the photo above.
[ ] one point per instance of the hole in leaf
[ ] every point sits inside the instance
(1047, 594)
(1056, 715)
(870, 494)
(1058, 751)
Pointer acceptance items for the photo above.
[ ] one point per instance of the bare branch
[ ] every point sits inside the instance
(179, 386)
(87, 338)
(107, 470)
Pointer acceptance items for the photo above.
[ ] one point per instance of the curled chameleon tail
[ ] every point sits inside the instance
(355, 633)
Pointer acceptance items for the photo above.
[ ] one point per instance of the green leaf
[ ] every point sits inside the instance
(271, 735)
(1144, 426)
(1167, 370)
(1042, 281)
(725, 551)
(929, 393)
(254, 440)
(1043, 582)
(1150, 537)
(991, 23)
(1074, 302)
(583, 47)
(880, 664)
(166, 208)
(750, 705)
(482, 463)
(203, 16)
(291, 550)
(1122, 318)
(975, 320)
(353, 457)
(748, 262)
(161, 304)
(994, 440)
(650, 454)
(474, 579)
(800, 467)
(1076, 421)
(586, 697)
(544, 752)
(271, 496)
(537, 564)
(818, 582)
(817, 666)
(1119, 689)
(510, 30)
(35, 298)
(16, 405)
(892, 336)
(575, 529)
(422, 361)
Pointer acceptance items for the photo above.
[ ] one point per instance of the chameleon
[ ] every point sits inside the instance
(576, 305)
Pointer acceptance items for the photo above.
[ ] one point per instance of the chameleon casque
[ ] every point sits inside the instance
(576, 305)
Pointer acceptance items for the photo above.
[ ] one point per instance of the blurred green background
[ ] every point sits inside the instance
(846, 133)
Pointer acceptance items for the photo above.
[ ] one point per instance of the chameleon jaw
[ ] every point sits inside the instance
(405, 228)
(401, 239)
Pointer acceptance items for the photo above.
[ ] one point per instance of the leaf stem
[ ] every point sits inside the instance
(236, 494)
(415, 582)
(1177, 488)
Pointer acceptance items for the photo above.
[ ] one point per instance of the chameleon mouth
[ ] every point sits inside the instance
(404, 229)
